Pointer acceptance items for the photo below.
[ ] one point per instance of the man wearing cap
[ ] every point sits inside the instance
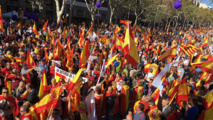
(24, 69)
(174, 115)
(42, 66)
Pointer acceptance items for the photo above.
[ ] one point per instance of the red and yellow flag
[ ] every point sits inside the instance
(208, 100)
(130, 50)
(75, 81)
(206, 66)
(197, 60)
(205, 43)
(43, 86)
(182, 94)
(18, 26)
(45, 26)
(170, 53)
(84, 55)
(90, 29)
(30, 61)
(46, 56)
(47, 103)
(34, 29)
(206, 115)
(1, 21)
(70, 60)
(156, 96)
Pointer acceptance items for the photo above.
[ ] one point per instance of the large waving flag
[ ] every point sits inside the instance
(84, 55)
(197, 60)
(157, 81)
(205, 66)
(109, 62)
(90, 105)
(130, 50)
(170, 53)
(206, 115)
(43, 86)
(74, 81)
(1, 21)
(182, 94)
(30, 61)
(208, 100)
(156, 96)
(46, 104)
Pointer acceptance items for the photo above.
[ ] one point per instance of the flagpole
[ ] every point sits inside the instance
(50, 111)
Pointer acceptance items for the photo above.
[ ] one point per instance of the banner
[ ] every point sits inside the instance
(66, 75)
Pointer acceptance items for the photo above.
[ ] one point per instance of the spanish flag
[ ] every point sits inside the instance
(47, 103)
(197, 60)
(109, 62)
(147, 67)
(30, 61)
(18, 26)
(34, 29)
(75, 81)
(46, 56)
(205, 66)
(1, 22)
(90, 29)
(70, 60)
(205, 43)
(45, 26)
(119, 43)
(130, 50)
(84, 55)
(124, 99)
(43, 86)
(156, 96)
(206, 115)
(182, 94)
(208, 100)
(170, 53)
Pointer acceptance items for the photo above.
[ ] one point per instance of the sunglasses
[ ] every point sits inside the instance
(5, 92)
(21, 111)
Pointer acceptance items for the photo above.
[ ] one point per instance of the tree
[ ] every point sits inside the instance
(113, 4)
(71, 6)
(93, 8)
(139, 6)
(37, 4)
(59, 11)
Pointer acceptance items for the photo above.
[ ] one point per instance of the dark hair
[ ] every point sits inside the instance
(98, 90)
(152, 102)
(191, 91)
(5, 88)
(25, 108)
(77, 115)
(29, 85)
(202, 82)
(194, 101)
(141, 106)
(211, 87)
(199, 99)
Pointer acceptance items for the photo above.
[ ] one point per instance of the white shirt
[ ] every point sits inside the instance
(186, 62)
(148, 76)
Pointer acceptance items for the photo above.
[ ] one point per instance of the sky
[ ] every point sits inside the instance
(207, 2)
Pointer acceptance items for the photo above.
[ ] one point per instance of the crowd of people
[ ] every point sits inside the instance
(123, 91)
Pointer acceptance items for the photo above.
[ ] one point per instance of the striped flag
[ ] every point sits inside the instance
(84, 55)
(43, 86)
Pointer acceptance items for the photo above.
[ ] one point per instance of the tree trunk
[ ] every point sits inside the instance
(92, 18)
(70, 15)
(110, 19)
(136, 19)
